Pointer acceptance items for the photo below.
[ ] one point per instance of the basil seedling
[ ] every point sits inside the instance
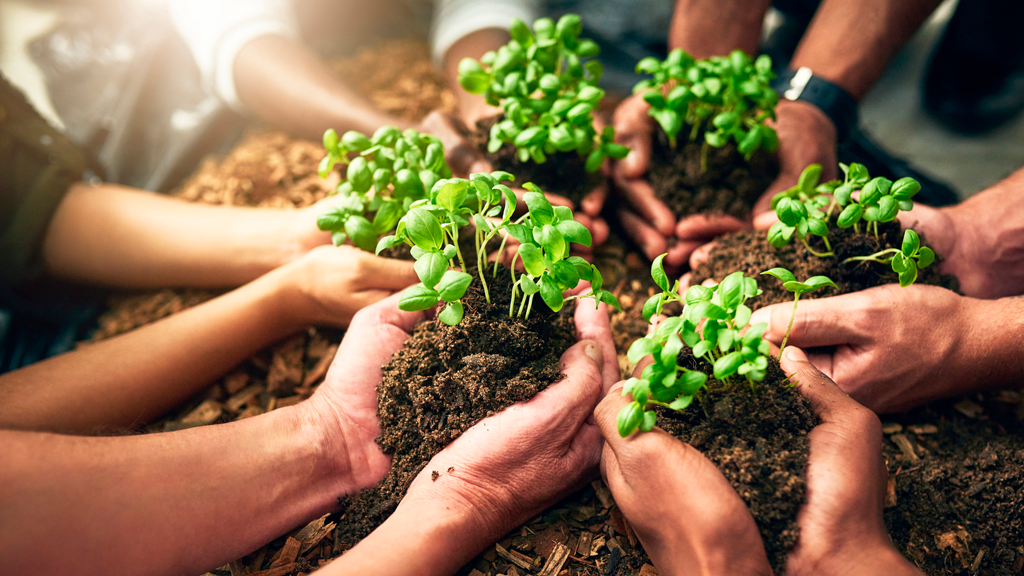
(790, 283)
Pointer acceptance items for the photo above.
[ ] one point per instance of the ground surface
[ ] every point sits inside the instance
(955, 467)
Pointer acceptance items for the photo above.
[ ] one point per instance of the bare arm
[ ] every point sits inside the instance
(135, 377)
(286, 84)
(117, 236)
(706, 28)
(851, 43)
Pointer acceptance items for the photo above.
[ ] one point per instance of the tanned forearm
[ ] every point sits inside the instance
(177, 503)
(286, 84)
(707, 28)
(472, 107)
(851, 43)
(121, 237)
(135, 377)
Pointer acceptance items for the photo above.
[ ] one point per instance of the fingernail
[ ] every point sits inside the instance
(795, 354)
(593, 351)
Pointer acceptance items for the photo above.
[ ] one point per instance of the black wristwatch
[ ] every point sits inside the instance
(831, 99)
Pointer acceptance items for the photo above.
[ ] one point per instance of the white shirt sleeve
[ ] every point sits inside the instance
(455, 19)
(216, 30)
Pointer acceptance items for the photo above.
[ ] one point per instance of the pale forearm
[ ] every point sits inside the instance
(851, 43)
(178, 503)
(122, 237)
(133, 378)
(707, 28)
(286, 84)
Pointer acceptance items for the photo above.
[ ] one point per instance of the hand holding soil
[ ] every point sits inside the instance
(496, 475)
(345, 405)
(686, 514)
(841, 527)
(892, 348)
(806, 136)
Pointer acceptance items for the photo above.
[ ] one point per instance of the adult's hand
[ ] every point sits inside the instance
(686, 514)
(895, 348)
(806, 136)
(504, 469)
(344, 407)
(841, 527)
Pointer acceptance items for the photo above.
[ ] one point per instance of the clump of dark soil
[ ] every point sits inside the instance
(759, 442)
(564, 173)
(750, 252)
(730, 184)
(448, 378)
(956, 484)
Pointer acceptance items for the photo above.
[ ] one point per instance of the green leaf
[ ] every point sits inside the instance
(551, 293)
(333, 219)
(640, 349)
(694, 294)
(652, 306)
(361, 232)
(681, 403)
(817, 227)
(905, 188)
(386, 217)
(452, 314)
(790, 211)
(540, 209)
(338, 238)
(908, 276)
(608, 298)
(418, 297)
(850, 215)
(727, 365)
(816, 282)
(658, 273)
(730, 291)
(359, 175)
(533, 259)
(573, 231)
(353, 140)
(925, 257)
(527, 285)
(453, 285)
(691, 382)
(472, 77)
(430, 268)
(779, 234)
(629, 418)
(423, 229)
(781, 274)
(452, 194)
(743, 313)
(702, 348)
(594, 160)
(797, 287)
(900, 263)
(648, 421)
(408, 184)
(670, 352)
(888, 208)
(809, 178)
(911, 242)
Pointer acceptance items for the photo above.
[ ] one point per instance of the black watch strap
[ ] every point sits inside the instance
(830, 98)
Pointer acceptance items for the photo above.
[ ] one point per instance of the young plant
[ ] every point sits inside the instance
(724, 98)
(389, 172)
(712, 325)
(432, 227)
(906, 261)
(801, 212)
(789, 282)
(546, 91)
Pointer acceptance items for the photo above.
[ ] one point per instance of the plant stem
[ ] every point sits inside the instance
(529, 306)
(480, 243)
(792, 317)
(818, 254)
(873, 257)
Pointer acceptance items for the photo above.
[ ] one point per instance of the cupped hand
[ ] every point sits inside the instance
(344, 407)
(334, 283)
(686, 514)
(894, 348)
(806, 136)
(841, 526)
(512, 465)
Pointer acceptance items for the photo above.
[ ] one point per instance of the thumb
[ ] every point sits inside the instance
(576, 395)
(607, 413)
(827, 400)
(387, 273)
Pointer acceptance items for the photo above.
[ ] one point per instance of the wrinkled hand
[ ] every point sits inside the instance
(345, 405)
(686, 514)
(512, 465)
(841, 526)
(334, 283)
(895, 348)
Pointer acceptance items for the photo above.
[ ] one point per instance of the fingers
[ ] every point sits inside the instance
(574, 397)
(593, 203)
(606, 414)
(598, 231)
(633, 129)
(828, 400)
(385, 273)
(641, 197)
(708, 226)
(822, 322)
(700, 255)
(764, 220)
(650, 242)
(376, 332)
(592, 323)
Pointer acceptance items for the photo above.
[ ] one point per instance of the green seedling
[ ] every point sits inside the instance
(388, 173)
(807, 208)
(546, 90)
(432, 228)
(712, 325)
(790, 283)
(906, 261)
(724, 98)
